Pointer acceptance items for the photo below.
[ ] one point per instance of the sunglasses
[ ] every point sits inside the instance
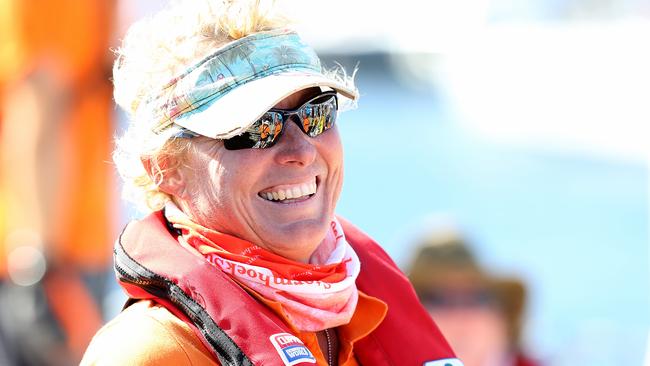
(314, 117)
(459, 298)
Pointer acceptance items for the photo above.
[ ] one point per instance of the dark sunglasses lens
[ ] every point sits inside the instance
(319, 115)
(316, 116)
(261, 134)
(478, 298)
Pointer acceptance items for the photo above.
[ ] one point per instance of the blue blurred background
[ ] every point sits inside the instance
(526, 125)
(573, 225)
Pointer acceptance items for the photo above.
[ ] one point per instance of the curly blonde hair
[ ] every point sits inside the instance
(155, 50)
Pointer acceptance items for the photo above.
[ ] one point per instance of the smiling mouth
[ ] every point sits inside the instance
(290, 193)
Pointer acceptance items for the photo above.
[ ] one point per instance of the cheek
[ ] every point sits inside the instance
(210, 183)
(332, 152)
(219, 182)
(205, 191)
(231, 177)
(331, 149)
(335, 143)
(213, 181)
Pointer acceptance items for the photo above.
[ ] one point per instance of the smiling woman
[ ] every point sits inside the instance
(233, 146)
(307, 172)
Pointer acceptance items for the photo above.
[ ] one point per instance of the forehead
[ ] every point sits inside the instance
(298, 98)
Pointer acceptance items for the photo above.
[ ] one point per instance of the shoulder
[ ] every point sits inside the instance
(146, 334)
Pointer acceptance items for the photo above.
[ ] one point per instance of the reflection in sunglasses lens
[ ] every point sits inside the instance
(314, 117)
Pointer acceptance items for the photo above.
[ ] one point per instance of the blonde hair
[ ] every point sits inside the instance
(155, 50)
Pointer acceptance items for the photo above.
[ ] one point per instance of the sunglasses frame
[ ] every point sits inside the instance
(284, 116)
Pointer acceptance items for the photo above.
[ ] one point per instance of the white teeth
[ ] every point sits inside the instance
(297, 191)
(305, 189)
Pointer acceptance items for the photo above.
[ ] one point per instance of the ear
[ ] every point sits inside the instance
(169, 175)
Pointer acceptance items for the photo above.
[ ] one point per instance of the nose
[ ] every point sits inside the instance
(295, 147)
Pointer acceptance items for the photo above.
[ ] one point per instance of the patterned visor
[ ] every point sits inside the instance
(226, 92)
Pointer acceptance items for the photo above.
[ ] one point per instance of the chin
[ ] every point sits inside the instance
(297, 240)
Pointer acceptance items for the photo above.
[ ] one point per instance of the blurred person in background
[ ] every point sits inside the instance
(480, 314)
(233, 146)
(55, 140)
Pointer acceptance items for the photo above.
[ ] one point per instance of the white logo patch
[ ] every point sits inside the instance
(291, 349)
(445, 362)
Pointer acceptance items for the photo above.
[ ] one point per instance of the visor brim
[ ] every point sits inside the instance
(237, 110)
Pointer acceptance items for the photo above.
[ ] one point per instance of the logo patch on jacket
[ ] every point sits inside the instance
(291, 349)
(445, 362)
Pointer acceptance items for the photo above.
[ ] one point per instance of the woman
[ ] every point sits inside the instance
(233, 145)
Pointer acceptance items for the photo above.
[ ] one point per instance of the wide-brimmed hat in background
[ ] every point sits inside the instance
(445, 272)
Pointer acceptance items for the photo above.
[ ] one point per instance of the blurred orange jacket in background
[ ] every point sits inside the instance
(60, 51)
